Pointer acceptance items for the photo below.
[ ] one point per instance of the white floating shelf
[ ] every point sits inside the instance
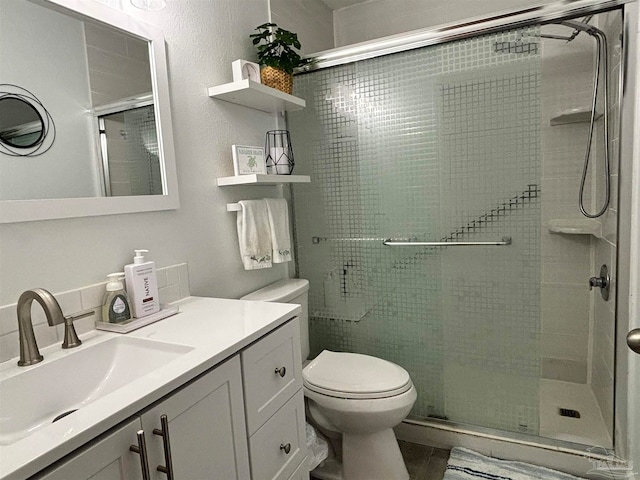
(576, 227)
(262, 179)
(573, 115)
(257, 96)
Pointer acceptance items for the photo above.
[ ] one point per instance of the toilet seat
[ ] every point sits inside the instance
(355, 376)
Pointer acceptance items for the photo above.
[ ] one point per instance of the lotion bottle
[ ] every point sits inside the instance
(142, 285)
(115, 304)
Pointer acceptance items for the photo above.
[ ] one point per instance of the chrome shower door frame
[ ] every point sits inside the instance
(473, 27)
(626, 415)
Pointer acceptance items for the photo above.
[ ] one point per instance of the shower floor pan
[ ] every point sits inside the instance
(589, 429)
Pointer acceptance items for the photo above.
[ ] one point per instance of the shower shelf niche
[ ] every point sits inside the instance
(573, 115)
(262, 179)
(576, 227)
(257, 96)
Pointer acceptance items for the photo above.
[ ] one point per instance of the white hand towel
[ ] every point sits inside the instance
(279, 224)
(254, 236)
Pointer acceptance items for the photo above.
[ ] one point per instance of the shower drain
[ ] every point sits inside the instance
(569, 412)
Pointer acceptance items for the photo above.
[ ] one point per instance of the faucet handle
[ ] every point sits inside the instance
(70, 336)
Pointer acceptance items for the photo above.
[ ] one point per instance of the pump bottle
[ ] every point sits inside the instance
(142, 285)
(115, 305)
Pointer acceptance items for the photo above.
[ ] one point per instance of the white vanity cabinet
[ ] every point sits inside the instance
(243, 419)
(206, 431)
(107, 458)
(206, 428)
(274, 404)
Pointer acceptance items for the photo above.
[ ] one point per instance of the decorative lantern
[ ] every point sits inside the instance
(279, 152)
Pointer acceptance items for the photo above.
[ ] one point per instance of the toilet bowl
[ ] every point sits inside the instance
(362, 398)
(357, 398)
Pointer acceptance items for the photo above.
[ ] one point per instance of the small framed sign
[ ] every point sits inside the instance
(248, 160)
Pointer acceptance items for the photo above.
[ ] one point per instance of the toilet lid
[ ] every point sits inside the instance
(351, 375)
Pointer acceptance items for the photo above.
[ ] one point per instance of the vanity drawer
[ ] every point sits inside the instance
(272, 373)
(285, 431)
(301, 473)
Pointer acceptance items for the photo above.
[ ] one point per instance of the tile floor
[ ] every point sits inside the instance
(423, 462)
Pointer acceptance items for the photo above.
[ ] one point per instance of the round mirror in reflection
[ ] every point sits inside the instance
(21, 125)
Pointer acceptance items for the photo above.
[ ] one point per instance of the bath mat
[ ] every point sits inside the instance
(468, 465)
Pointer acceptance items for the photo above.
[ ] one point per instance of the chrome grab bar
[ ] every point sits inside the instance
(402, 243)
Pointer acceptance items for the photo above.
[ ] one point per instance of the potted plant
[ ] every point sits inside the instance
(277, 53)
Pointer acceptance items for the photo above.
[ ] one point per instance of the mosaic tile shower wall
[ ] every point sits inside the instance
(439, 143)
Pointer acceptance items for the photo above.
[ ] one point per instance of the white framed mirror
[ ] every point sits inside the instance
(102, 76)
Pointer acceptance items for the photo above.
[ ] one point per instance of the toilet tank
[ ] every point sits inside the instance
(290, 290)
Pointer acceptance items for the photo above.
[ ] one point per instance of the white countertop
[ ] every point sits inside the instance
(215, 328)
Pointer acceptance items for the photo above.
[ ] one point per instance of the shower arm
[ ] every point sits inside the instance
(578, 26)
(581, 27)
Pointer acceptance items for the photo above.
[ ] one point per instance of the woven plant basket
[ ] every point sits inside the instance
(276, 78)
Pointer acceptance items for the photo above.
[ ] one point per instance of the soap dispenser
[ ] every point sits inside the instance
(115, 304)
(142, 285)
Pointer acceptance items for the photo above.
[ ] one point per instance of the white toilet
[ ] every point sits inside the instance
(359, 397)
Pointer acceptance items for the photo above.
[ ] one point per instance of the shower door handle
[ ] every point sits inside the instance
(633, 340)
(410, 243)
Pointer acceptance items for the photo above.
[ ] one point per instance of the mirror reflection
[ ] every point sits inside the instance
(96, 82)
(130, 152)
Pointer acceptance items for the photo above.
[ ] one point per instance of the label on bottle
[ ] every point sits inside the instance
(148, 302)
(119, 310)
(119, 306)
(142, 288)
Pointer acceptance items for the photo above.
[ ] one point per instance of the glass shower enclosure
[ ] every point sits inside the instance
(427, 231)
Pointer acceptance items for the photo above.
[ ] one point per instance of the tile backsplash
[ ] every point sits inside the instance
(173, 285)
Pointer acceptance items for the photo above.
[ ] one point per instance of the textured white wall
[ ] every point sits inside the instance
(203, 38)
(380, 18)
(312, 20)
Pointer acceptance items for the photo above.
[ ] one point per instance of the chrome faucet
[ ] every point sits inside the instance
(29, 353)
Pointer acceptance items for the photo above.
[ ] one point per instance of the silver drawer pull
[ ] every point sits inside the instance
(141, 449)
(286, 448)
(282, 372)
(167, 468)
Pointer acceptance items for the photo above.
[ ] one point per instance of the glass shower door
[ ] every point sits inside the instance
(430, 145)
(476, 140)
(435, 144)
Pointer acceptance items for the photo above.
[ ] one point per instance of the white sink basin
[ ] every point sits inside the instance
(33, 398)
